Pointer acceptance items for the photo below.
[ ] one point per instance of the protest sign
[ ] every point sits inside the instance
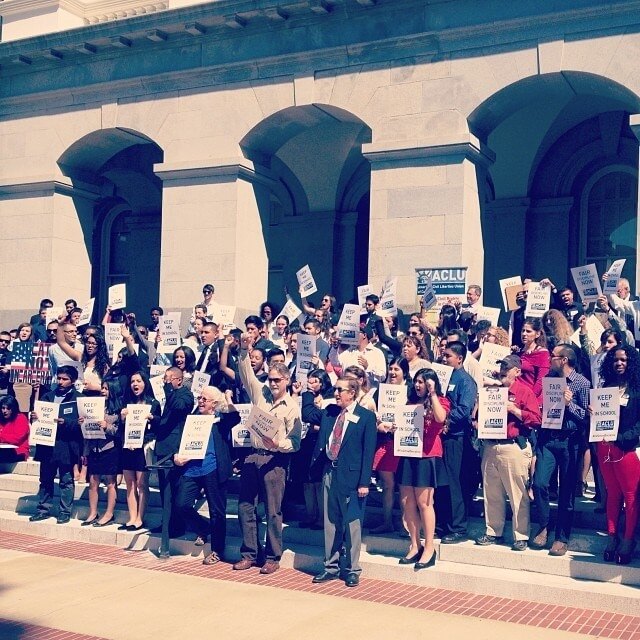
(538, 300)
(306, 283)
(391, 397)
(195, 436)
(587, 282)
(157, 370)
(388, 299)
(513, 293)
(492, 412)
(492, 314)
(199, 382)
(553, 402)
(306, 352)
(226, 314)
(508, 282)
(429, 296)
(30, 363)
(45, 428)
(117, 296)
(363, 291)
(169, 327)
(157, 386)
(594, 331)
(53, 313)
(291, 310)
(491, 354)
(87, 312)
(614, 272)
(263, 424)
(113, 339)
(135, 425)
(605, 414)
(91, 411)
(409, 433)
(240, 436)
(443, 371)
(349, 324)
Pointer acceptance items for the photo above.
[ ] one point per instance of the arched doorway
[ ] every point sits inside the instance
(124, 240)
(313, 196)
(556, 138)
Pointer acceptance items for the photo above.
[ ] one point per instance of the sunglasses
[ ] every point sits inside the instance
(275, 380)
(4, 341)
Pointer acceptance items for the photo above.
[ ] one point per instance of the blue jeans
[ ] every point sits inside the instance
(561, 448)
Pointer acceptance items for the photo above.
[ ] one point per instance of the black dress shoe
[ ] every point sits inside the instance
(86, 523)
(414, 558)
(425, 565)
(104, 524)
(41, 515)
(453, 538)
(63, 518)
(352, 580)
(325, 576)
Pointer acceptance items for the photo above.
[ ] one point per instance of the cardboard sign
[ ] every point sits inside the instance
(512, 293)
(491, 354)
(349, 324)
(44, 430)
(492, 412)
(587, 282)
(169, 327)
(113, 339)
(195, 436)
(226, 314)
(429, 296)
(30, 363)
(135, 425)
(199, 382)
(291, 310)
(307, 349)
(553, 402)
(263, 424)
(306, 283)
(538, 300)
(240, 435)
(492, 314)
(409, 433)
(117, 296)
(87, 312)
(443, 371)
(91, 409)
(508, 282)
(388, 299)
(53, 313)
(363, 291)
(605, 414)
(391, 398)
(594, 331)
(157, 386)
(614, 272)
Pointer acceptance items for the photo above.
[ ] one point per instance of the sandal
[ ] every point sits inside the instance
(212, 558)
(200, 541)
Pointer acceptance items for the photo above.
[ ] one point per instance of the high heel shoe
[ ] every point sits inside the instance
(609, 554)
(414, 558)
(425, 565)
(625, 551)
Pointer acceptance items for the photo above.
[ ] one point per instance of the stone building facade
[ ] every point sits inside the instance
(171, 144)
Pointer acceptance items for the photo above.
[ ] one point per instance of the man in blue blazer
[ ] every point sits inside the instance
(344, 456)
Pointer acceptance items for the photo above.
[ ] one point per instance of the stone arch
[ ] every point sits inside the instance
(122, 219)
(549, 132)
(316, 194)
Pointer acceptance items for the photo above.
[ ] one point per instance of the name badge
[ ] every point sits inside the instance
(351, 417)
(67, 411)
(624, 400)
(451, 387)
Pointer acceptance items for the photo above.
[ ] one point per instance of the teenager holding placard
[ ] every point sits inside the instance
(419, 477)
(134, 464)
(619, 464)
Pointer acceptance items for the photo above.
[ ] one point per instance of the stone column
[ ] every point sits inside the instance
(634, 123)
(425, 209)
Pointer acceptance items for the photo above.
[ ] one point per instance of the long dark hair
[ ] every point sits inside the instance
(12, 403)
(113, 404)
(403, 364)
(425, 374)
(102, 355)
(326, 388)
(632, 374)
(147, 394)
(189, 358)
(448, 316)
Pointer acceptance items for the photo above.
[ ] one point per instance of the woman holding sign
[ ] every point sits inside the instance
(14, 431)
(619, 464)
(134, 465)
(420, 476)
(534, 354)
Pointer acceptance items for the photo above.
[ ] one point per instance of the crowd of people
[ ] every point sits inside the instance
(333, 444)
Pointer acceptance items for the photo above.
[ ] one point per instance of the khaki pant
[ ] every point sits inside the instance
(505, 472)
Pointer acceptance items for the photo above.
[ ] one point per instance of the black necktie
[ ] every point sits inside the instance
(203, 357)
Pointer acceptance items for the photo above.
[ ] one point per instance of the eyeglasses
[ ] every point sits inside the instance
(341, 389)
(206, 292)
(275, 380)
(4, 341)
(203, 399)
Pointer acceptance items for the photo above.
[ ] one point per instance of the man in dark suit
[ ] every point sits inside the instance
(344, 450)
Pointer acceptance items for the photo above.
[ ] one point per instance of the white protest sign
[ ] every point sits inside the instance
(443, 371)
(614, 272)
(492, 314)
(508, 282)
(553, 402)
(53, 313)
(594, 331)
(587, 282)
(306, 283)
(117, 296)
(195, 436)
(538, 300)
(489, 357)
(263, 424)
(157, 370)
(409, 433)
(157, 386)
(391, 397)
(135, 425)
(363, 291)
(388, 305)
(169, 327)
(492, 412)
(91, 410)
(87, 312)
(306, 352)
(429, 296)
(199, 382)
(349, 324)
(45, 428)
(224, 318)
(605, 414)
(240, 435)
(113, 339)
(291, 310)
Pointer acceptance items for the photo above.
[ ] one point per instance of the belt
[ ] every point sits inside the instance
(502, 441)
(264, 452)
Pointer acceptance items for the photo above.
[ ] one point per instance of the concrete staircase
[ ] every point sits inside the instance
(578, 579)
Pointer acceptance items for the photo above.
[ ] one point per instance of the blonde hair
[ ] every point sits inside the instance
(220, 399)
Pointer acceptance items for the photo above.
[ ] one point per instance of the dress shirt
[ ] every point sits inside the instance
(376, 364)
